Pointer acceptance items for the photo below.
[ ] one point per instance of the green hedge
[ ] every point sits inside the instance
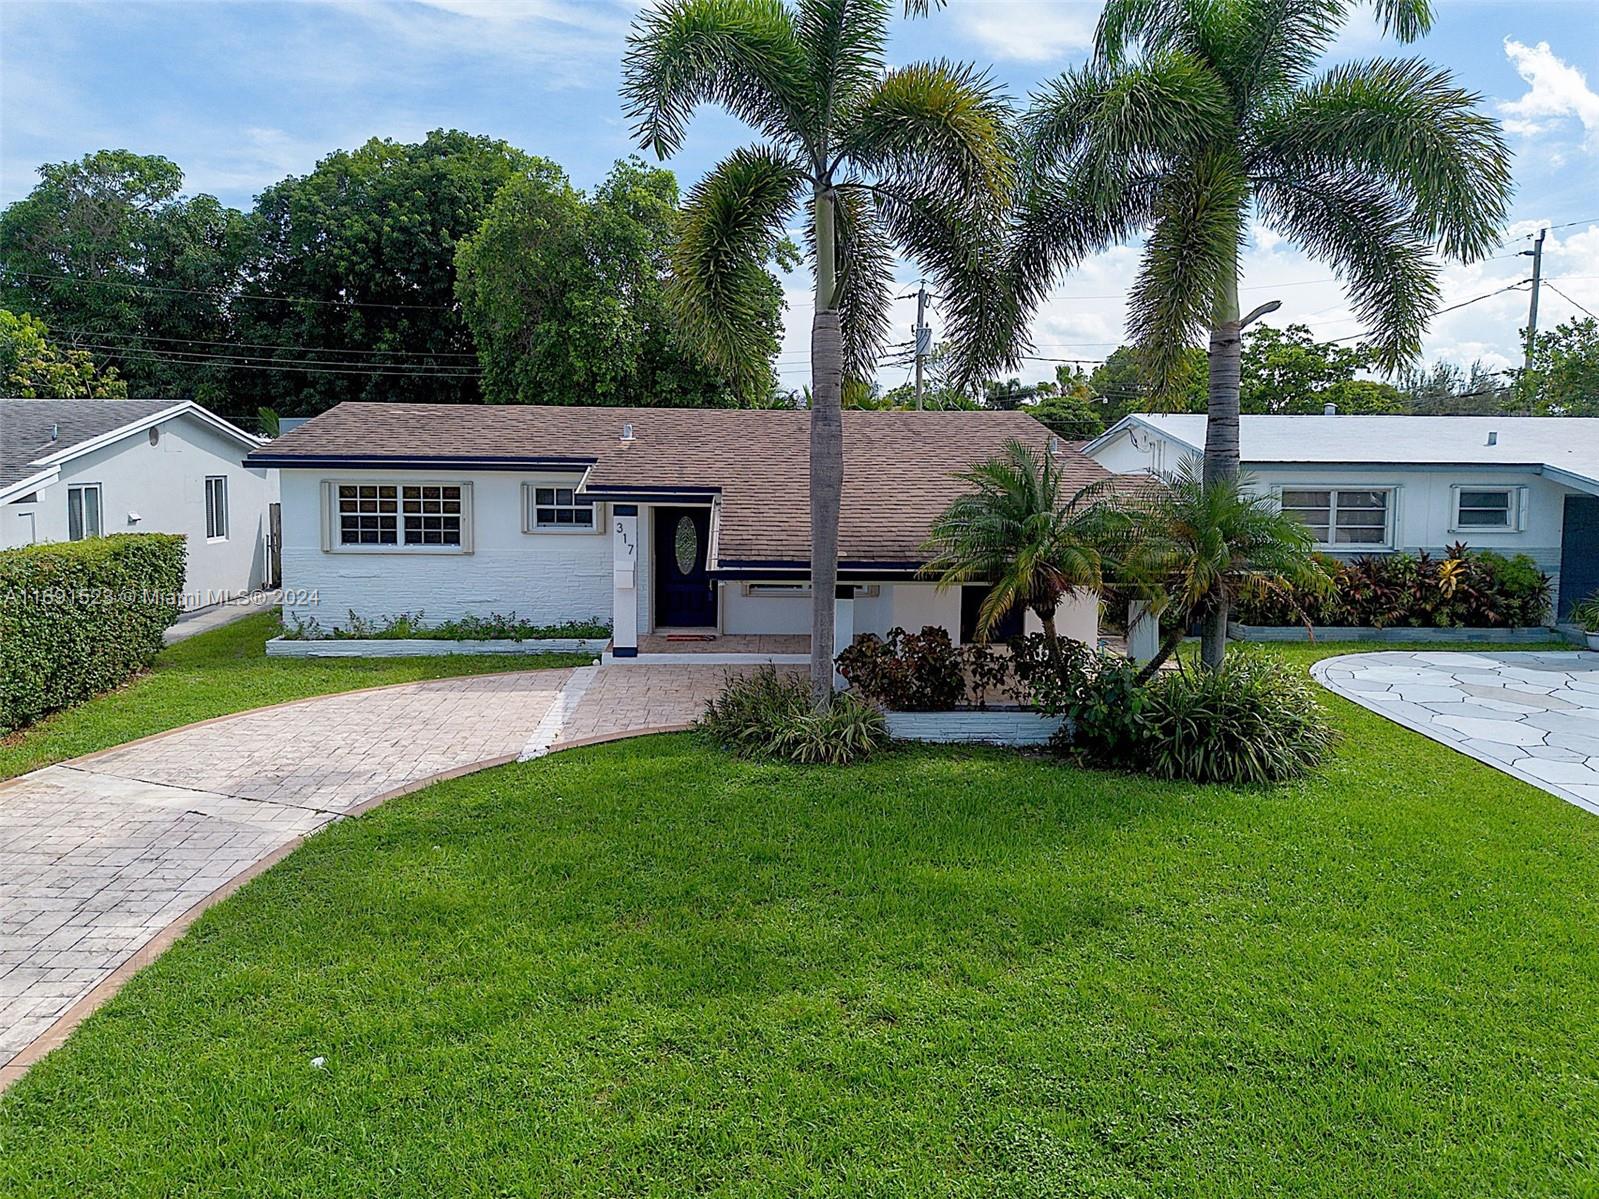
(80, 617)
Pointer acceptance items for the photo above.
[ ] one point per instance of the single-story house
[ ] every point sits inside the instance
(71, 469)
(1380, 484)
(658, 520)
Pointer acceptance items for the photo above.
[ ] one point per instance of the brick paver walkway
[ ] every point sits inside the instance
(1532, 715)
(99, 857)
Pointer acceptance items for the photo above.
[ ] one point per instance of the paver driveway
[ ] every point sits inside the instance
(103, 860)
(1532, 715)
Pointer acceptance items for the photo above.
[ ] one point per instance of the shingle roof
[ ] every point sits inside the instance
(899, 467)
(25, 427)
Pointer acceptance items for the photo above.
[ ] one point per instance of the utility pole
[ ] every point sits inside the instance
(1536, 254)
(923, 337)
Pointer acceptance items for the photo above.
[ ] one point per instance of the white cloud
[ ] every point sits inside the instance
(1556, 91)
(1027, 30)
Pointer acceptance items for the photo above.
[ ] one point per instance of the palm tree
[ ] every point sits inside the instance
(916, 159)
(1197, 543)
(1020, 531)
(1194, 114)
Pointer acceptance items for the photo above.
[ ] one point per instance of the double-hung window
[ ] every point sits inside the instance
(1486, 509)
(216, 506)
(1344, 518)
(400, 515)
(83, 511)
(557, 506)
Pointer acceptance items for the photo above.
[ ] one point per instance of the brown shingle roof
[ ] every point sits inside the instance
(899, 467)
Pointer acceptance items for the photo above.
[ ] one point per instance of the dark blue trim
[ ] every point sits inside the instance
(621, 651)
(625, 509)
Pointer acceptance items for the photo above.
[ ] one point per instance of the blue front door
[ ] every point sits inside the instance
(685, 596)
(1579, 551)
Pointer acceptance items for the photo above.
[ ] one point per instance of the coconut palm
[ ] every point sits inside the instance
(1021, 531)
(1198, 543)
(1196, 115)
(915, 159)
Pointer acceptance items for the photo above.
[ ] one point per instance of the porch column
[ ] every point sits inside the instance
(1143, 633)
(843, 628)
(624, 581)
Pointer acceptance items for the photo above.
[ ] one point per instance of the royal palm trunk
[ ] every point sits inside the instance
(827, 453)
(1221, 437)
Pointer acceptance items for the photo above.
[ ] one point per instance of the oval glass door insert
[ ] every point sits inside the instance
(688, 544)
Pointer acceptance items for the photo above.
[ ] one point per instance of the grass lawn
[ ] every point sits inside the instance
(227, 670)
(643, 968)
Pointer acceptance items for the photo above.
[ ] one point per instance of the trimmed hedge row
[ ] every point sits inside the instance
(80, 617)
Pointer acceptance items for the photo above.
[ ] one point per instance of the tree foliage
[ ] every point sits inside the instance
(32, 367)
(1562, 377)
(1288, 371)
(121, 265)
(565, 295)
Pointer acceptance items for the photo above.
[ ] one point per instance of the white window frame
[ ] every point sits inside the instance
(1334, 546)
(1515, 511)
(216, 507)
(332, 526)
(776, 590)
(530, 506)
(83, 490)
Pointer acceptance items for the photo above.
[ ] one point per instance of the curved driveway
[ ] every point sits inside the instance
(104, 860)
(1531, 715)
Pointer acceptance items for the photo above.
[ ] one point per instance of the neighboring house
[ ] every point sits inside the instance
(1377, 484)
(655, 519)
(71, 469)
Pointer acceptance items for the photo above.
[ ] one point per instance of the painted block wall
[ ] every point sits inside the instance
(546, 577)
(164, 486)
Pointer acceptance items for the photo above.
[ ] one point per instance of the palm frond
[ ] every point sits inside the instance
(728, 230)
(844, 43)
(1408, 124)
(1191, 255)
(929, 120)
(865, 282)
(1126, 26)
(744, 55)
(1358, 227)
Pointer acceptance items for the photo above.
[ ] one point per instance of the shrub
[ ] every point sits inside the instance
(909, 672)
(412, 625)
(1586, 613)
(1097, 693)
(1256, 720)
(1464, 588)
(765, 714)
(78, 618)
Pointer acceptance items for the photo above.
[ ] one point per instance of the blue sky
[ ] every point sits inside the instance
(242, 92)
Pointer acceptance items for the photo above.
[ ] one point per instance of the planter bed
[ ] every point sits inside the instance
(997, 726)
(418, 647)
(1476, 636)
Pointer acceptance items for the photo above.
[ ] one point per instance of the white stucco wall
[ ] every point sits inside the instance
(546, 577)
(164, 484)
(743, 613)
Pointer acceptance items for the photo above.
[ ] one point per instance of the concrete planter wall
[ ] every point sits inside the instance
(392, 647)
(1298, 632)
(972, 727)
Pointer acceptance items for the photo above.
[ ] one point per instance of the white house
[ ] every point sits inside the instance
(71, 469)
(658, 520)
(1379, 484)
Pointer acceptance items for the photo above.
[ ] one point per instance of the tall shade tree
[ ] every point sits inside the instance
(1022, 531)
(1196, 116)
(914, 159)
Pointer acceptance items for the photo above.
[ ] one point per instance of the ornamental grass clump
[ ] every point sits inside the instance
(767, 715)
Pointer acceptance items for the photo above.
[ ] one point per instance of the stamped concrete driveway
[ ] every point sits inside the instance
(106, 859)
(1531, 715)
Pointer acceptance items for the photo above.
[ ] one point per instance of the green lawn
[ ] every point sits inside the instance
(227, 670)
(643, 968)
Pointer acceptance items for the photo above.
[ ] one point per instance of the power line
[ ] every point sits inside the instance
(269, 345)
(180, 358)
(1566, 298)
(1516, 286)
(242, 295)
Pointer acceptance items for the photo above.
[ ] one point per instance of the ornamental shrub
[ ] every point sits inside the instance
(767, 715)
(78, 618)
(908, 672)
